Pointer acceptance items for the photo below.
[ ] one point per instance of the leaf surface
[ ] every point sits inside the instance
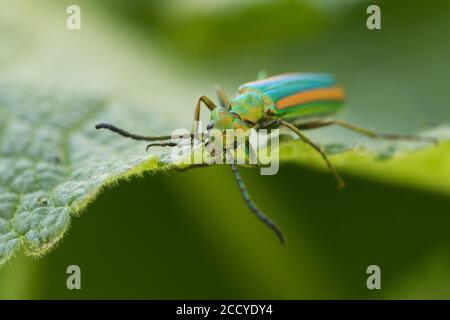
(53, 162)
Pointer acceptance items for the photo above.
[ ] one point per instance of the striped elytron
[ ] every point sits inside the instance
(296, 101)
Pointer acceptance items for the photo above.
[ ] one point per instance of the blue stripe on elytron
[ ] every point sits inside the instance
(275, 82)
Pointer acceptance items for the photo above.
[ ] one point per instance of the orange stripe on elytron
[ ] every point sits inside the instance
(322, 94)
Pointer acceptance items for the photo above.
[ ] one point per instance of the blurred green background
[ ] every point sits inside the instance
(188, 234)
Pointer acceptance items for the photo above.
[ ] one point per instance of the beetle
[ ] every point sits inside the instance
(296, 101)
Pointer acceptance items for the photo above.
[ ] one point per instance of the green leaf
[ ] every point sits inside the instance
(53, 162)
(418, 165)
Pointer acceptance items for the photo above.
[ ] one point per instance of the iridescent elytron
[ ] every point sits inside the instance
(296, 101)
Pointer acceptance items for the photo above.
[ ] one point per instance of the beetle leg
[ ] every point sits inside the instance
(269, 124)
(290, 126)
(366, 132)
(251, 153)
(252, 206)
(209, 104)
(224, 102)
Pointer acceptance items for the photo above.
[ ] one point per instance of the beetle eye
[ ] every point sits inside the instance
(210, 126)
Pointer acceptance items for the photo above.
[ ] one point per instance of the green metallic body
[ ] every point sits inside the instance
(260, 101)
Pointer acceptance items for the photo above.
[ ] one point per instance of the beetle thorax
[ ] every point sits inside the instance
(223, 119)
(249, 106)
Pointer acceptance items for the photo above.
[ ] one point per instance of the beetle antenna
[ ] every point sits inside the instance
(161, 144)
(252, 206)
(127, 134)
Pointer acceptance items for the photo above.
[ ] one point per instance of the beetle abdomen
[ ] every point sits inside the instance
(298, 94)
